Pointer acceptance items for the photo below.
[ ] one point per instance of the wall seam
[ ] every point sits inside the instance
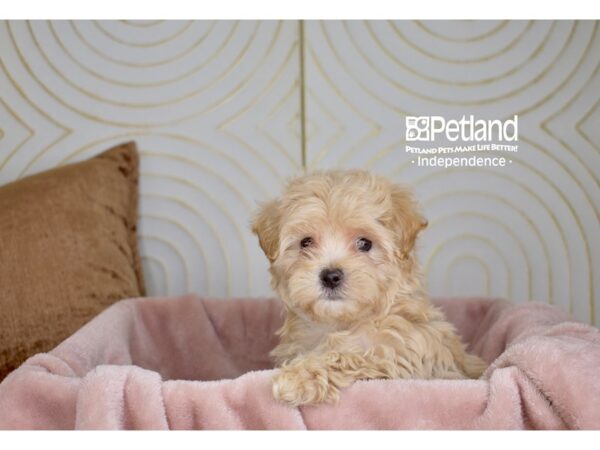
(302, 95)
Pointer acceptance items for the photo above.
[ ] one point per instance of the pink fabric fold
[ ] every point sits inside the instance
(193, 363)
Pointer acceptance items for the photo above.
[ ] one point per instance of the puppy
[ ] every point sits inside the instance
(341, 251)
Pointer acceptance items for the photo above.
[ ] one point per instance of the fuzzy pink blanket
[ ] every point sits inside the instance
(192, 363)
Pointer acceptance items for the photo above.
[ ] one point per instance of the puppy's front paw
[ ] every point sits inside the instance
(301, 386)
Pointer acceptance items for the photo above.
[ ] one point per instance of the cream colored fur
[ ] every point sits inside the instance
(382, 324)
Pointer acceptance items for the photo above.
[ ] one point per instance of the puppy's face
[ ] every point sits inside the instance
(338, 243)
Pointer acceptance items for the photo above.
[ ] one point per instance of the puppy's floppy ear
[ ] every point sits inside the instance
(407, 220)
(265, 225)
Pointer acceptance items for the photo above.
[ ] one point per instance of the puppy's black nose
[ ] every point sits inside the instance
(331, 278)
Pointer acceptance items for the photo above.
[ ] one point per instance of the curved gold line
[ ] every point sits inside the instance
(91, 94)
(133, 125)
(132, 23)
(509, 180)
(385, 151)
(176, 252)
(524, 216)
(350, 73)
(543, 126)
(583, 120)
(502, 225)
(236, 138)
(562, 84)
(470, 257)
(554, 219)
(546, 129)
(220, 153)
(197, 164)
(30, 131)
(503, 50)
(162, 41)
(21, 91)
(569, 172)
(65, 131)
(547, 97)
(256, 99)
(180, 138)
(139, 84)
(201, 167)
(262, 124)
(361, 143)
(488, 100)
(240, 85)
(582, 233)
(312, 128)
(528, 58)
(103, 55)
(479, 37)
(185, 230)
(334, 86)
(162, 268)
(189, 207)
(475, 237)
(204, 220)
(329, 144)
(46, 89)
(247, 146)
(375, 127)
(206, 194)
(588, 114)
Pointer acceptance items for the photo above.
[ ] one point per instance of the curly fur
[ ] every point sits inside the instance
(381, 324)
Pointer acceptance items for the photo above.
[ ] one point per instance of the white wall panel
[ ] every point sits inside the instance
(216, 110)
(528, 231)
(214, 107)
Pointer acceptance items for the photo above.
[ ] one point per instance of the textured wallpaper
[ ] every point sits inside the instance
(224, 111)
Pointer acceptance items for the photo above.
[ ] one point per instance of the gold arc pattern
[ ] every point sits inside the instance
(506, 228)
(471, 257)
(185, 205)
(480, 37)
(179, 226)
(148, 124)
(229, 69)
(505, 49)
(224, 155)
(110, 58)
(186, 231)
(98, 25)
(522, 213)
(550, 92)
(142, 24)
(163, 270)
(478, 102)
(554, 187)
(139, 84)
(477, 238)
(468, 83)
(540, 202)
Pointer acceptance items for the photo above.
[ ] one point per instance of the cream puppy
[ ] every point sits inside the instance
(341, 251)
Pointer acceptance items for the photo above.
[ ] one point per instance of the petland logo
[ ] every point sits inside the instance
(482, 142)
(428, 128)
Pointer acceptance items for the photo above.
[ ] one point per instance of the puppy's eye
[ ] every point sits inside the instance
(363, 244)
(306, 242)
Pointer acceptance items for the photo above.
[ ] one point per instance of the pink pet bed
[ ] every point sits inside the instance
(192, 363)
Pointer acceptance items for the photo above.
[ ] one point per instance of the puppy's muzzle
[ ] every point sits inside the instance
(331, 278)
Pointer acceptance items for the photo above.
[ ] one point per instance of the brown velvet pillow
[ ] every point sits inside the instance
(68, 249)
